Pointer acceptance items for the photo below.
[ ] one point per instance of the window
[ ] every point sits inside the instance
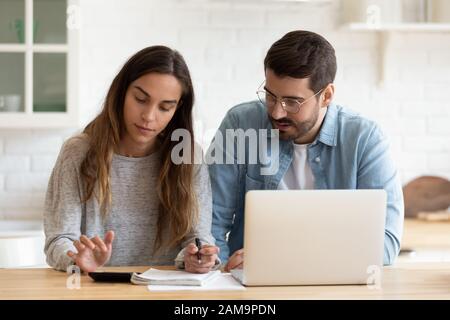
(38, 63)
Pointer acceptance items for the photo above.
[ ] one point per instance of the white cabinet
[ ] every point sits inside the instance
(38, 63)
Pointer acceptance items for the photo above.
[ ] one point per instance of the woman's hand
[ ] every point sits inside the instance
(208, 257)
(236, 261)
(92, 253)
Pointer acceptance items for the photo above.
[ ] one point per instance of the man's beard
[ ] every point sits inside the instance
(297, 129)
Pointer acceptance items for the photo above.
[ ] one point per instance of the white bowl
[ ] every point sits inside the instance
(21, 244)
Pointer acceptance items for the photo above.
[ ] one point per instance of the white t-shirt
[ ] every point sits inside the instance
(299, 174)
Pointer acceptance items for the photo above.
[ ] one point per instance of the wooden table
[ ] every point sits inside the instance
(429, 240)
(407, 279)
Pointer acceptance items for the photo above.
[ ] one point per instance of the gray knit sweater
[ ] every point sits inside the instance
(133, 215)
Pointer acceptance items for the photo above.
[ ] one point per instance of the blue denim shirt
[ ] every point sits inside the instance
(349, 152)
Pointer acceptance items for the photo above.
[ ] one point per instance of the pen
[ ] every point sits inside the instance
(199, 245)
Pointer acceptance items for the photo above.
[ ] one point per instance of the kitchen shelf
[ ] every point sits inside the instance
(385, 31)
(399, 27)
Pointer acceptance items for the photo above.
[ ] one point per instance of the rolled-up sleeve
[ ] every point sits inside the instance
(377, 171)
(225, 182)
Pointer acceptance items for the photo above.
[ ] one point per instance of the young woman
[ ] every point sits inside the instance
(115, 197)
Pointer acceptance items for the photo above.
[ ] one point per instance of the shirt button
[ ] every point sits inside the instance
(317, 159)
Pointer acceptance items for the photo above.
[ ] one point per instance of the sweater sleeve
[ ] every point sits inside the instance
(63, 211)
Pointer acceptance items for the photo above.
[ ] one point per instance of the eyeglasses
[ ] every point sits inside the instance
(290, 105)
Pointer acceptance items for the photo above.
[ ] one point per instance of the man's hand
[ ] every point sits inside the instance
(208, 257)
(236, 261)
(92, 253)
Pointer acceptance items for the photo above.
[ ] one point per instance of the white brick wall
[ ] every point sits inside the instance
(28, 182)
(14, 164)
(42, 163)
(26, 161)
(224, 43)
(25, 144)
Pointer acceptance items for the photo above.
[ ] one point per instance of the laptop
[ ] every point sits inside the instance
(312, 237)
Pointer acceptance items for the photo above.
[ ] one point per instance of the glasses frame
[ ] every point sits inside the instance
(283, 100)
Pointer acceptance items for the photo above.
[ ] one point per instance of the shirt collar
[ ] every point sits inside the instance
(328, 132)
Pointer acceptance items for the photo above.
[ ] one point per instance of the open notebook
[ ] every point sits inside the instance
(222, 282)
(173, 278)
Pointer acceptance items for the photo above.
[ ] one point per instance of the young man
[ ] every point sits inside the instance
(321, 145)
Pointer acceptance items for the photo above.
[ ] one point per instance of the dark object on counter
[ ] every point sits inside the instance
(426, 194)
(111, 276)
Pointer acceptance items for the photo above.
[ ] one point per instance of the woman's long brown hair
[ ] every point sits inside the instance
(178, 209)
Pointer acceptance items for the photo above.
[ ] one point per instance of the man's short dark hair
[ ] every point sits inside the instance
(303, 54)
